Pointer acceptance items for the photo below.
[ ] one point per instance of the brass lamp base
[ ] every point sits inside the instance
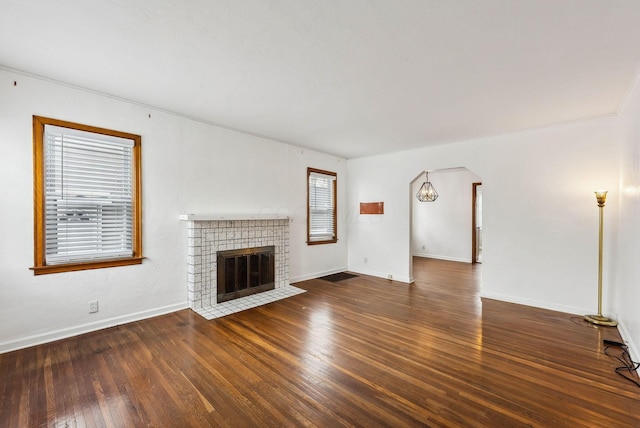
(601, 320)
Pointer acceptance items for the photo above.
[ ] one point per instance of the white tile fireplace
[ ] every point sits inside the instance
(208, 234)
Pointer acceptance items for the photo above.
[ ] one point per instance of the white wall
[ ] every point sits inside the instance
(188, 167)
(627, 280)
(442, 229)
(540, 218)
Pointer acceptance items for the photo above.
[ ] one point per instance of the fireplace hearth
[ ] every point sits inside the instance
(245, 271)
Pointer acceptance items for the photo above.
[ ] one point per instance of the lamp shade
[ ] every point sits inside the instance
(601, 197)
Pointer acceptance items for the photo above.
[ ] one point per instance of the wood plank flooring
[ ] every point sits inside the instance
(360, 352)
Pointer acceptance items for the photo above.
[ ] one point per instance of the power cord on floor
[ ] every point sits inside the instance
(628, 365)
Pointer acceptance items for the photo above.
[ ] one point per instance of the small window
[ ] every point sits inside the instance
(321, 207)
(87, 197)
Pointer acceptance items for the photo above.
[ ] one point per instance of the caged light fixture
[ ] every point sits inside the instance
(427, 192)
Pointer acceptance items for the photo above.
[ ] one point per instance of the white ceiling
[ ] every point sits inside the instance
(347, 77)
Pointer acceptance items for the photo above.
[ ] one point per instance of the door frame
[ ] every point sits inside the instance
(474, 238)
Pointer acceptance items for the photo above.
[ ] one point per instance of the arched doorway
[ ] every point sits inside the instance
(446, 227)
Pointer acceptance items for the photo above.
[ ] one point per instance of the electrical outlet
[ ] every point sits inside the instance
(423, 247)
(390, 276)
(93, 306)
(366, 260)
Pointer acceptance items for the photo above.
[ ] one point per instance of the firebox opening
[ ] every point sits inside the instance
(245, 271)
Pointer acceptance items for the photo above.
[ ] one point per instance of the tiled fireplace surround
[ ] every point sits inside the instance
(206, 235)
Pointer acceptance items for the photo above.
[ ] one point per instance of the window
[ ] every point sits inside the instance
(321, 207)
(87, 197)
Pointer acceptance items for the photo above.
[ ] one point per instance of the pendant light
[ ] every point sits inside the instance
(427, 192)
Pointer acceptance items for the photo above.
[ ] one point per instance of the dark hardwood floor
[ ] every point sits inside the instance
(361, 352)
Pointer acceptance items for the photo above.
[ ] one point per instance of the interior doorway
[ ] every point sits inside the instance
(439, 228)
(476, 223)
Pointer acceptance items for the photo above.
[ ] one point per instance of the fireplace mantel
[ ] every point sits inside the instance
(223, 217)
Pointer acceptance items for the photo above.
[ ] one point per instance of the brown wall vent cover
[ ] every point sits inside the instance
(371, 207)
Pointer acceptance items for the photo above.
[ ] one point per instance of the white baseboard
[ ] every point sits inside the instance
(315, 275)
(626, 337)
(404, 279)
(435, 256)
(50, 336)
(359, 270)
(534, 303)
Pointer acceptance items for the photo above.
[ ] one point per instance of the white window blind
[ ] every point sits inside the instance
(88, 196)
(321, 207)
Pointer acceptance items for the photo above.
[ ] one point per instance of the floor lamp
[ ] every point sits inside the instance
(599, 319)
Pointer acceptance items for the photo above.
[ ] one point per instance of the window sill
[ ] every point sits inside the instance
(328, 241)
(43, 270)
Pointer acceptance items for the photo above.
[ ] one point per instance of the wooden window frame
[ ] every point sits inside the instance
(40, 267)
(335, 207)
